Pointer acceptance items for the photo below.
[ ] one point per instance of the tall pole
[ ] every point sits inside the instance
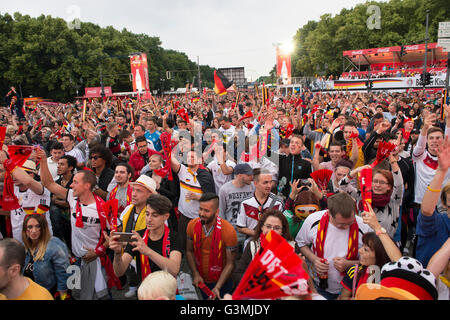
(426, 51)
(199, 79)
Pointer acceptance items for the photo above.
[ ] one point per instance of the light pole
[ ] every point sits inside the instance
(426, 52)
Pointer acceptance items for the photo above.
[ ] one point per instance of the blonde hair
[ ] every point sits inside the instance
(44, 237)
(158, 284)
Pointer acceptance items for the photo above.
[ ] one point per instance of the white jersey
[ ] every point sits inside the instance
(219, 177)
(30, 203)
(336, 244)
(250, 210)
(89, 235)
(426, 165)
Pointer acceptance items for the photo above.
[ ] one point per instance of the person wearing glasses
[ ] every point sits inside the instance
(101, 159)
(387, 195)
(271, 219)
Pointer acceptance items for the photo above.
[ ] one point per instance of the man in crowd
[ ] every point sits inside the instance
(141, 157)
(211, 247)
(252, 208)
(56, 152)
(233, 193)
(194, 181)
(154, 248)
(88, 221)
(121, 190)
(153, 134)
(59, 209)
(13, 285)
(293, 166)
(32, 196)
(101, 160)
(332, 254)
(68, 142)
(132, 218)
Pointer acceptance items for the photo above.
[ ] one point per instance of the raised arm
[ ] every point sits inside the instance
(21, 176)
(391, 248)
(433, 191)
(439, 260)
(46, 176)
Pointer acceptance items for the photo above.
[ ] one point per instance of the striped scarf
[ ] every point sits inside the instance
(215, 256)
(145, 262)
(352, 253)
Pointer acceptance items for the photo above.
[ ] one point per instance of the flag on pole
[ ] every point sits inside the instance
(132, 114)
(84, 110)
(221, 83)
(265, 95)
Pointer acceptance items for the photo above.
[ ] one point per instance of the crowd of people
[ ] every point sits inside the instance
(201, 180)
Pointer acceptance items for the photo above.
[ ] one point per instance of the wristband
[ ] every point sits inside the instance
(433, 190)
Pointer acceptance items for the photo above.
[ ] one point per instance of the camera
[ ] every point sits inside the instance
(305, 182)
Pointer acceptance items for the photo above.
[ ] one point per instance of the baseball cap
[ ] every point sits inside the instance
(243, 168)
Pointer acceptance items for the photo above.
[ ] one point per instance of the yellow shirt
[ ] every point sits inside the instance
(34, 292)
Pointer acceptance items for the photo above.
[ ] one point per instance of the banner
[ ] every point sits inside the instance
(96, 92)
(284, 66)
(139, 70)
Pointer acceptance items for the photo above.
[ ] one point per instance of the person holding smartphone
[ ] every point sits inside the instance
(155, 248)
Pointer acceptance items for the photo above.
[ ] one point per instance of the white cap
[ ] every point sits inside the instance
(146, 182)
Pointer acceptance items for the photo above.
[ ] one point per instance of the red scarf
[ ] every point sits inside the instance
(113, 193)
(215, 255)
(100, 249)
(17, 157)
(352, 253)
(145, 263)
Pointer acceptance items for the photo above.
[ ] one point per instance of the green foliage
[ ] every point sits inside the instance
(47, 58)
(319, 44)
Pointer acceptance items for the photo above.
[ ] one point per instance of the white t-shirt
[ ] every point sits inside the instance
(89, 235)
(219, 177)
(29, 201)
(188, 208)
(227, 133)
(77, 154)
(52, 167)
(336, 245)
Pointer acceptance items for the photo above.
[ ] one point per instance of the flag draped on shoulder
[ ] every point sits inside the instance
(221, 83)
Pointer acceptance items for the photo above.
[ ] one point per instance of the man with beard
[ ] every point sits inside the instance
(13, 285)
(122, 190)
(132, 218)
(211, 246)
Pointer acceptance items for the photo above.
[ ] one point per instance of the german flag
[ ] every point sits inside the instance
(265, 95)
(221, 83)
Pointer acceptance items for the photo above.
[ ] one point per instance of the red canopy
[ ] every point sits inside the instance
(390, 55)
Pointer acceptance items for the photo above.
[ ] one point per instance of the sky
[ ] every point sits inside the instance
(225, 33)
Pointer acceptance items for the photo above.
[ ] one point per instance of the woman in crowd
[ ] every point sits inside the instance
(377, 250)
(47, 257)
(271, 220)
(387, 194)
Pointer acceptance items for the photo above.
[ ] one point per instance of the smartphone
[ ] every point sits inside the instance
(124, 236)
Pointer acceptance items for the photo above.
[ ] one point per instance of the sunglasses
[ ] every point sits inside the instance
(95, 157)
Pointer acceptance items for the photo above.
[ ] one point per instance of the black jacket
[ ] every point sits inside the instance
(292, 168)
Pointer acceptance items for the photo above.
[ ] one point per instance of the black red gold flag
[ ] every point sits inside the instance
(221, 83)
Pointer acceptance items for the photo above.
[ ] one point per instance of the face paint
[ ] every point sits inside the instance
(302, 211)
